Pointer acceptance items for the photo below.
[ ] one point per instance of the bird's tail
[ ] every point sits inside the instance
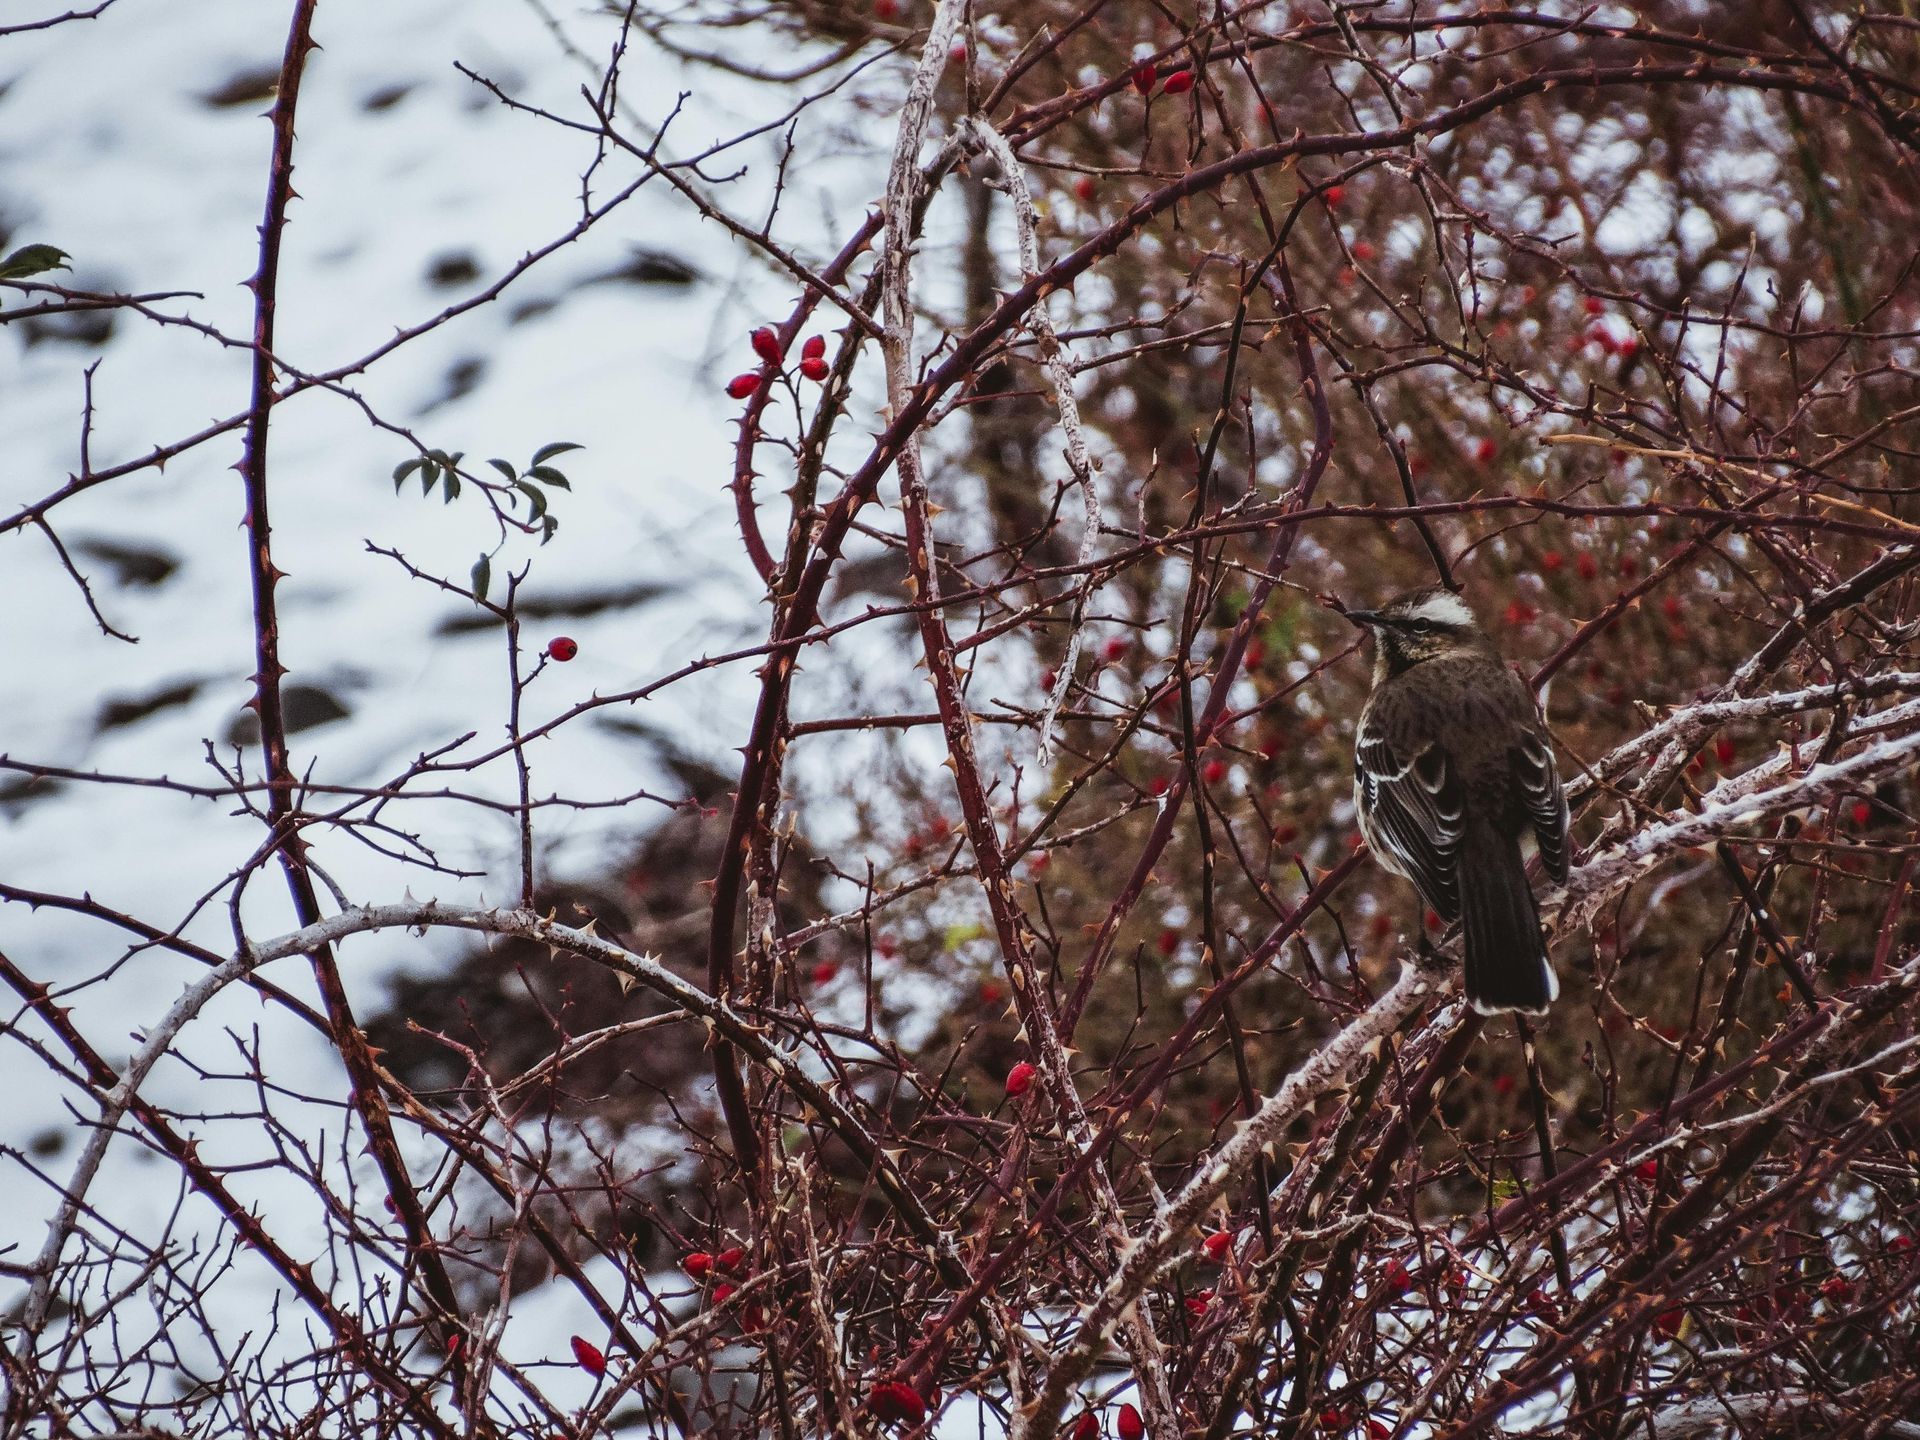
(1507, 965)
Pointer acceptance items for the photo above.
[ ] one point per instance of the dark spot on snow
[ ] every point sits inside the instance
(75, 327)
(45, 1144)
(652, 267)
(244, 87)
(456, 268)
(699, 781)
(529, 310)
(305, 706)
(386, 97)
(572, 605)
(132, 564)
(19, 791)
(463, 378)
(125, 711)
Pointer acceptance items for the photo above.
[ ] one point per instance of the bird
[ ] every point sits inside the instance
(1455, 785)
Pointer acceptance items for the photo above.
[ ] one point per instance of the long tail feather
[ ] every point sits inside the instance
(1507, 965)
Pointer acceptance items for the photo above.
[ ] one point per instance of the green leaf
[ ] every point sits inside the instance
(429, 473)
(547, 452)
(550, 476)
(547, 527)
(453, 486)
(33, 260)
(535, 497)
(482, 573)
(404, 469)
(505, 469)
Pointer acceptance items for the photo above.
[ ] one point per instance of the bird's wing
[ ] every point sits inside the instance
(1414, 807)
(1546, 802)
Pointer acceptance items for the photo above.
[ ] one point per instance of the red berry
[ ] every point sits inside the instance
(894, 1402)
(589, 1356)
(1724, 749)
(1038, 861)
(824, 972)
(1484, 449)
(1586, 565)
(1433, 920)
(886, 9)
(1144, 74)
(723, 1292)
(1398, 1280)
(698, 1265)
(991, 993)
(1168, 942)
(730, 1259)
(1157, 786)
(1219, 1246)
(1084, 190)
(1334, 1419)
(1214, 771)
(1116, 648)
(814, 367)
(1378, 1430)
(1519, 613)
(766, 344)
(1863, 812)
(1178, 83)
(1130, 1426)
(1334, 194)
(1628, 565)
(1647, 1170)
(1594, 305)
(1899, 1245)
(562, 648)
(1020, 1079)
(1838, 1289)
(1363, 250)
(1670, 607)
(1670, 1322)
(1286, 833)
(1087, 1427)
(1381, 925)
(1552, 560)
(1198, 1301)
(1416, 464)
(741, 386)
(815, 347)
(1503, 1084)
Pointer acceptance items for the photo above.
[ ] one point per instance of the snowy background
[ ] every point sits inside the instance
(138, 143)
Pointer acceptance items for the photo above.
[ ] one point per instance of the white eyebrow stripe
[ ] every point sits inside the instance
(1443, 608)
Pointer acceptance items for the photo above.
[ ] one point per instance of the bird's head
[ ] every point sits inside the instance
(1425, 624)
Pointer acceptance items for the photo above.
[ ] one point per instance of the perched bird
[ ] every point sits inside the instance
(1455, 784)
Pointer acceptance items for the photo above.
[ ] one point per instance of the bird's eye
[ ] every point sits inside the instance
(1423, 626)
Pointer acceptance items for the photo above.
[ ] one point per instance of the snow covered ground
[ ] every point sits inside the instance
(136, 142)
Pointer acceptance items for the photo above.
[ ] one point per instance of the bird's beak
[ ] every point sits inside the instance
(1367, 619)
